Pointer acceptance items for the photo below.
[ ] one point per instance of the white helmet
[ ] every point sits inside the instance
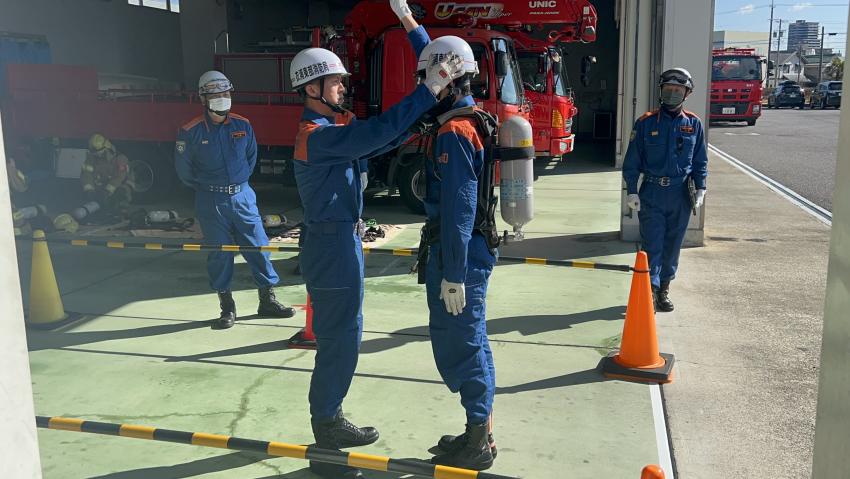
(213, 82)
(442, 46)
(312, 64)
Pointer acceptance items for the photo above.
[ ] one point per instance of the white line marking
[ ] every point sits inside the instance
(661, 432)
(789, 194)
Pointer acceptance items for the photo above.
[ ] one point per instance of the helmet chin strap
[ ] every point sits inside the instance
(336, 108)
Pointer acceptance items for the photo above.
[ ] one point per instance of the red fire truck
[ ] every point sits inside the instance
(736, 85)
(64, 101)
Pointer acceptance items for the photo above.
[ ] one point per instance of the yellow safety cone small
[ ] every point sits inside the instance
(45, 308)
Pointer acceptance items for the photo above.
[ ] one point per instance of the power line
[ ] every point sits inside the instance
(741, 10)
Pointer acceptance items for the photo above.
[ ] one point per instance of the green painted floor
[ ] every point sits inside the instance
(147, 355)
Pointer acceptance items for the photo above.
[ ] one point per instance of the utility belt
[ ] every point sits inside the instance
(665, 180)
(227, 189)
(430, 234)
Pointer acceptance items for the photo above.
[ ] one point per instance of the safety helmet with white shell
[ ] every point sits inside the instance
(313, 64)
(440, 48)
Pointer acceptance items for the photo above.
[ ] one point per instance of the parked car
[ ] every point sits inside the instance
(826, 94)
(787, 93)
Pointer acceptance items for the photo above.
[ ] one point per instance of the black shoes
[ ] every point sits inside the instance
(662, 300)
(474, 453)
(228, 310)
(339, 433)
(269, 305)
(449, 443)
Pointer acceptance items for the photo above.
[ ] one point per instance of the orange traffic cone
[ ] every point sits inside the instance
(652, 472)
(305, 339)
(638, 358)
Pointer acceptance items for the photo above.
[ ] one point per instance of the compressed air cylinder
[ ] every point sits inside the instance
(85, 210)
(516, 187)
(162, 216)
(26, 213)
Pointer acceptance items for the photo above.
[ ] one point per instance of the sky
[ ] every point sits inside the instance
(754, 16)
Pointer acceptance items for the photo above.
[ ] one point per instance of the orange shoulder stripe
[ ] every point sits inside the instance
(647, 115)
(194, 121)
(305, 129)
(239, 117)
(465, 128)
(343, 118)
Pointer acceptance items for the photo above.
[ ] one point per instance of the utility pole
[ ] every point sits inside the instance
(769, 45)
(778, 39)
(820, 62)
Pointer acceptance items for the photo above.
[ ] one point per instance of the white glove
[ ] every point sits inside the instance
(633, 201)
(454, 295)
(400, 8)
(439, 75)
(700, 198)
(364, 181)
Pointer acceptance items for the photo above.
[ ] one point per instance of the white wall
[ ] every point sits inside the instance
(832, 427)
(682, 38)
(112, 35)
(18, 440)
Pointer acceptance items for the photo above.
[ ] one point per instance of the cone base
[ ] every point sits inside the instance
(662, 375)
(48, 325)
(300, 341)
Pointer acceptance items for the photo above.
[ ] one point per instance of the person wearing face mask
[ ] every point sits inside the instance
(215, 155)
(668, 147)
(331, 147)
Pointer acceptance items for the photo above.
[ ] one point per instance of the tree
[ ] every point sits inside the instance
(835, 69)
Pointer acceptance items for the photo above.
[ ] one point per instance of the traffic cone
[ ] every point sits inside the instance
(45, 309)
(638, 358)
(652, 472)
(305, 339)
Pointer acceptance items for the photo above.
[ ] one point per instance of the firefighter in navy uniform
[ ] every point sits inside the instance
(458, 248)
(668, 147)
(330, 149)
(215, 155)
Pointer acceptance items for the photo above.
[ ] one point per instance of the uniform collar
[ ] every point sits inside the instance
(208, 121)
(312, 115)
(667, 113)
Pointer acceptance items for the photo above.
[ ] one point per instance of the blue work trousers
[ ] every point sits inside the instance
(461, 348)
(664, 215)
(233, 219)
(332, 267)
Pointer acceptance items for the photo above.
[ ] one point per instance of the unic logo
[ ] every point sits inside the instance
(474, 10)
(543, 4)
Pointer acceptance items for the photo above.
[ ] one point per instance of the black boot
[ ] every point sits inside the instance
(475, 453)
(335, 434)
(339, 433)
(449, 443)
(228, 310)
(269, 306)
(662, 300)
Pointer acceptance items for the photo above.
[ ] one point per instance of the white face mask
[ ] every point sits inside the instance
(219, 104)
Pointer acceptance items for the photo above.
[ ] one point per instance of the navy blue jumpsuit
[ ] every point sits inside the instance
(329, 153)
(667, 148)
(216, 160)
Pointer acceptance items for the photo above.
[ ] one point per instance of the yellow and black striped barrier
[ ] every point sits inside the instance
(294, 249)
(279, 449)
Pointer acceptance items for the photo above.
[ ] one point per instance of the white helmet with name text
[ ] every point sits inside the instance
(312, 64)
(439, 48)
